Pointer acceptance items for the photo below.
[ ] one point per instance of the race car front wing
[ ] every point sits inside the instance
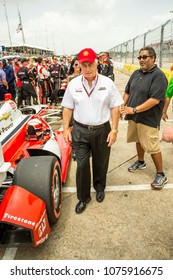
(30, 214)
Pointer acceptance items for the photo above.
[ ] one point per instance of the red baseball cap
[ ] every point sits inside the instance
(87, 55)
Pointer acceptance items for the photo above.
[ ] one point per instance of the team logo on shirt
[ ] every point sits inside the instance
(102, 88)
(78, 90)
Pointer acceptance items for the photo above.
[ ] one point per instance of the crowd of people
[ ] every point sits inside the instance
(39, 80)
(34, 80)
(95, 105)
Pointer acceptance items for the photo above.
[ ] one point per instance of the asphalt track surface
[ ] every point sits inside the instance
(132, 223)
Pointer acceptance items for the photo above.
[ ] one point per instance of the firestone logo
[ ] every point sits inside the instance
(18, 219)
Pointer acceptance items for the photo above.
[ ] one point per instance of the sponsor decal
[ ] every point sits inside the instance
(13, 105)
(42, 228)
(41, 219)
(18, 219)
(4, 129)
(5, 116)
(78, 90)
(42, 239)
(85, 53)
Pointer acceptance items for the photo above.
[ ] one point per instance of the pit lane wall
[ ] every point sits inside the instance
(130, 68)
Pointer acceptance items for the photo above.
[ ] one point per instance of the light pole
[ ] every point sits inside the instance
(125, 45)
(9, 34)
(171, 38)
(171, 22)
(145, 35)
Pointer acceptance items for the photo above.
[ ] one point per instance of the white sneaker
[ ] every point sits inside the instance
(159, 181)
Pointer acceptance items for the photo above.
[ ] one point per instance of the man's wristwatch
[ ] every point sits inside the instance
(134, 110)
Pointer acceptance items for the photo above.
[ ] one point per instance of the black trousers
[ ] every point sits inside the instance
(85, 143)
(28, 91)
(3, 91)
(12, 90)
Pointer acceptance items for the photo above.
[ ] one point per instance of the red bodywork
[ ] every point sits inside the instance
(20, 207)
(18, 146)
(30, 213)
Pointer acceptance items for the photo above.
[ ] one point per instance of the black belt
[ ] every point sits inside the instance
(90, 127)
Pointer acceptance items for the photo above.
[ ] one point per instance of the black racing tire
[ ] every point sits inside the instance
(41, 175)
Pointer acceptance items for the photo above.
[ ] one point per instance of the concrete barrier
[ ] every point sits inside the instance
(130, 68)
(168, 74)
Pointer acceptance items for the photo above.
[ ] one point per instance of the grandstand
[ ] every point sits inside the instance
(26, 49)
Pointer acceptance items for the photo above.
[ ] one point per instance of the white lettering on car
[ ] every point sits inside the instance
(18, 219)
(42, 228)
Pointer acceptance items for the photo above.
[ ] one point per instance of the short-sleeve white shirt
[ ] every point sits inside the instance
(94, 109)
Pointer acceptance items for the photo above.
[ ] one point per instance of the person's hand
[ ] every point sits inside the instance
(112, 136)
(164, 116)
(128, 110)
(67, 136)
(122, 112)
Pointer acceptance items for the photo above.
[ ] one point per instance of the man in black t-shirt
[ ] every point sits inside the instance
(144, 99)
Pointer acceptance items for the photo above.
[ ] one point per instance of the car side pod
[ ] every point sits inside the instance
(21, 210)
(65, 149)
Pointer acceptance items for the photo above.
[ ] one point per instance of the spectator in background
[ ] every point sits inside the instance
(57, 74)
(74, 69)
(26, 79)
(64, 66)
(43, 75)
(19, 98)
(99, 64)
(10, 77)
(107, 68)
(3, 82)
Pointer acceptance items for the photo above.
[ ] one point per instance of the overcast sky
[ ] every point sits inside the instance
(67, 26)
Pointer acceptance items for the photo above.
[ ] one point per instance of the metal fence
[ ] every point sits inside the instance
(160, 38)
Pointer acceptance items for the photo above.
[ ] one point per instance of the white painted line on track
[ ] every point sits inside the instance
(119, 188)
(10, 254)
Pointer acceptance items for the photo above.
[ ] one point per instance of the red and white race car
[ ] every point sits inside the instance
(33, 165)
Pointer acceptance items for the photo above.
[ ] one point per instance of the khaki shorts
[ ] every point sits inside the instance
(147, 136)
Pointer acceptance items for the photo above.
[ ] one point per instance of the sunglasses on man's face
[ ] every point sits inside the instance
(143, 57)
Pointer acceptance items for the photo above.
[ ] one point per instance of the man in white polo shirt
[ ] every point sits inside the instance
(93, 99)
